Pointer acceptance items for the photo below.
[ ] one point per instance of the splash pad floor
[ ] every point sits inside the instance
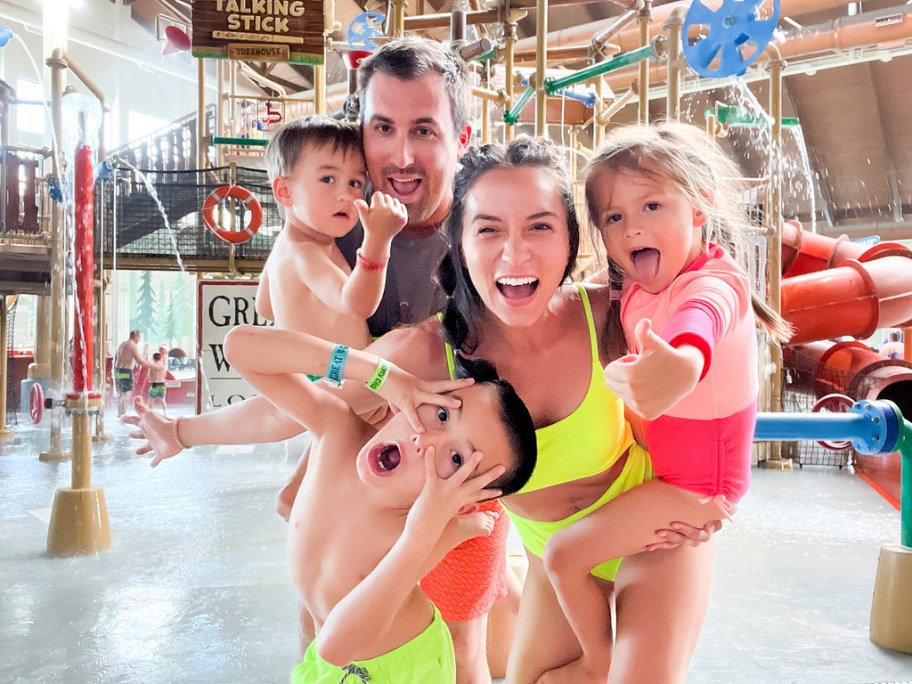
(195, 588)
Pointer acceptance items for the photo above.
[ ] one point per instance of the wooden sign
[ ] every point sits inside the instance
(261, 30)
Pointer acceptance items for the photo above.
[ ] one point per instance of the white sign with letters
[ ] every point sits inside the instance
(222, 305)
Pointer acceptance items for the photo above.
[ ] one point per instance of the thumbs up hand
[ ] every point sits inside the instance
(657, 377)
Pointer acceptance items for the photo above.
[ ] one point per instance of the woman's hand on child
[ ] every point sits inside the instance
(157, 430)
(406, 392)
(384, 218)
(442, 498)
(658, 377)
(680, 533)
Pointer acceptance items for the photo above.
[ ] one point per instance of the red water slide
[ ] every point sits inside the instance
(833, 287)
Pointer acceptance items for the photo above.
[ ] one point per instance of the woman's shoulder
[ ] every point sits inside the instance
(599, 298)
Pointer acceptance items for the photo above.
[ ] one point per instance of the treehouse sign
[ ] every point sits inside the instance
(259, 30)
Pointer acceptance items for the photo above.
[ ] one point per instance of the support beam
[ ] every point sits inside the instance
(888, 150)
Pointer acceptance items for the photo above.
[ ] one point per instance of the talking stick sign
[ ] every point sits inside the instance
(259, 30)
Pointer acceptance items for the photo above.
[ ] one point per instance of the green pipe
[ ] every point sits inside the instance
(735, 116)
(552, 85)
(905, 492)
(512, 116)
(240, 142)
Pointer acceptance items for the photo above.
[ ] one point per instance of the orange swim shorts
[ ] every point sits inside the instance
(471, 577)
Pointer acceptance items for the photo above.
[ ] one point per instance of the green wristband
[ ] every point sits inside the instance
(380, 375)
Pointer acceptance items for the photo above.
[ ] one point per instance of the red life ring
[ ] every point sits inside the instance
(244, 195)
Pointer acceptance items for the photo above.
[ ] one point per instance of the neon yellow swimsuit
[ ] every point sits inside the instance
(585, 443)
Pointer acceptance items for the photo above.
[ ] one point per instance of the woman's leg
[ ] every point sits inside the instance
(502, 625)
(662, 598)
(543, 639)
(622, 526)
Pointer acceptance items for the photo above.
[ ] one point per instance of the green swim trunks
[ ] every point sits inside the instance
(428, 658)
(157, 390)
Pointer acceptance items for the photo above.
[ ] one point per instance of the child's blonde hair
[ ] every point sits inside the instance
(683, 155)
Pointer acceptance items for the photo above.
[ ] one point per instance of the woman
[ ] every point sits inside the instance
(513, 239)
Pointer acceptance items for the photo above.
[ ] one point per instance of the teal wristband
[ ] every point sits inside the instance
(336, 362)
(380, 375)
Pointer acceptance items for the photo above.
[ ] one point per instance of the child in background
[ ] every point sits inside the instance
(157, 374)
(666, 205)
(894, 349)
(377, 509)
(318, 176)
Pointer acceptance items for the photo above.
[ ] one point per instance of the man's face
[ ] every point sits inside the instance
(410, 144)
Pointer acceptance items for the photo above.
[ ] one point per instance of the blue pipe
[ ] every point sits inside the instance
(872, 427)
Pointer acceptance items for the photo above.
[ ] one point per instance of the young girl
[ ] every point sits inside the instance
(666, 206)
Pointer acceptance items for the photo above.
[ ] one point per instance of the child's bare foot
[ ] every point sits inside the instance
(477, 524)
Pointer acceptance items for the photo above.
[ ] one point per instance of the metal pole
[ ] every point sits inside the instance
(509, 89)
(672, 27)
(644, 18)
(4, 367)
(55, 452)
(774, 231)
(320, 89)
(201, 141)
(541, 63)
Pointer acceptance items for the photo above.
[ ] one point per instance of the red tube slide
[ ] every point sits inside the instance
(855, 298)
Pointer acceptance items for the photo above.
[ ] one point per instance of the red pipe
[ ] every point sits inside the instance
(855, 298)
(84, 267)
(806, 252)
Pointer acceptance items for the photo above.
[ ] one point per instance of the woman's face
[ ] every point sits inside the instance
(515, 242)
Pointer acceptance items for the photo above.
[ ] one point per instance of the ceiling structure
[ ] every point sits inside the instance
(847, 82)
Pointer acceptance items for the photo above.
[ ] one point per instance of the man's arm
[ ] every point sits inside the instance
(138, 358)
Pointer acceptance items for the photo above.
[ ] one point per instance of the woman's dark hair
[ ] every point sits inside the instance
(516, 419)
(464, 304)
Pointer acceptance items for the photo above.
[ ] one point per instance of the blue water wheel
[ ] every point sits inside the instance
(363, 29)
(731, 37)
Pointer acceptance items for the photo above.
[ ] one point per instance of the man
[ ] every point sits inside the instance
(414, 101)
(125, 359)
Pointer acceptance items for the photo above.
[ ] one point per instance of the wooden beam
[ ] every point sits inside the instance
(888, 150)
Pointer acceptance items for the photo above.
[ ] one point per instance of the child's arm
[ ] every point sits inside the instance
(658, 376)
(382, 221)
(274, 361)
(367, 613)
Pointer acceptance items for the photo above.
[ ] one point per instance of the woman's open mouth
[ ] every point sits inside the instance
(517, 287)
(384, 458)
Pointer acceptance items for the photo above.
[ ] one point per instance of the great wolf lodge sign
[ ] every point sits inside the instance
(222, 305)
(261, 30)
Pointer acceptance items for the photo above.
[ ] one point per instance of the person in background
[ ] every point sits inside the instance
(157, 374)
(125, 359)
(894, 348)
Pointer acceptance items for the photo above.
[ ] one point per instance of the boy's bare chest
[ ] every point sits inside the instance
(335, 540)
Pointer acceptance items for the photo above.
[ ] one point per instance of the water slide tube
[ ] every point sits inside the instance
(834, 287)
